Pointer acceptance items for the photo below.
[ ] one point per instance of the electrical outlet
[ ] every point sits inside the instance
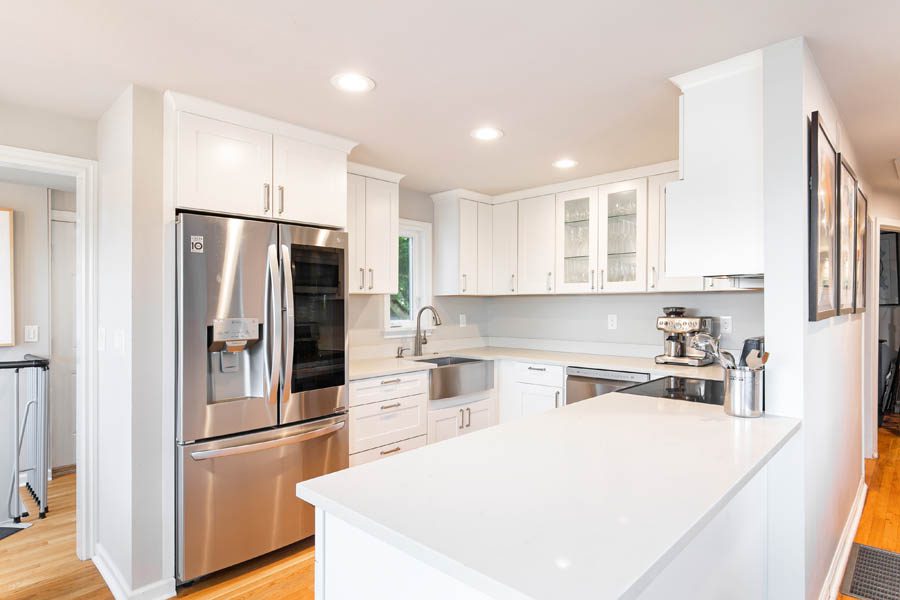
(612, 321)
(462, 320)
(726, 325)
(31, 333)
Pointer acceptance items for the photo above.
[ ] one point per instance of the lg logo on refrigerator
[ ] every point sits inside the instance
(197, 244)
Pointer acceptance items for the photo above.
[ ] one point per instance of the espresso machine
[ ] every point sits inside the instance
(679, 332)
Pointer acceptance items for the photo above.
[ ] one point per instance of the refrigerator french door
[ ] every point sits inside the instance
(261, 397)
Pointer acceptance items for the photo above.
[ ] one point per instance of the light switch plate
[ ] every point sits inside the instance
(612, 321)
(31, 333)
(462, 320)
(726, 325)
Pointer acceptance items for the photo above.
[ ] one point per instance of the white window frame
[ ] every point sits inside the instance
(420, 232)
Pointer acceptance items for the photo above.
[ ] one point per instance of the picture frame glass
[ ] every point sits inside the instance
(826, 265)
(846, 239)
(862, 218)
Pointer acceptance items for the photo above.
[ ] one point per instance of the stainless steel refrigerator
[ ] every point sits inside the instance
(261, 384)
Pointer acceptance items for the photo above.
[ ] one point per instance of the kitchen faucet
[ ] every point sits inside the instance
(420, 337)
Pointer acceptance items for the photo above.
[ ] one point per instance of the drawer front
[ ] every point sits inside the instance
(389, 387)
(539, 374)
(380, 423)
(361, 458)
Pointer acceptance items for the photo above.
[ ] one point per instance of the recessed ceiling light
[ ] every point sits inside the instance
(352, 82)
(565, 163)
(486, 134)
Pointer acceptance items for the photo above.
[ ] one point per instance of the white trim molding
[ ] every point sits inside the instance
(374, 172)
(84, 173)
(118, 585)
(832, 585)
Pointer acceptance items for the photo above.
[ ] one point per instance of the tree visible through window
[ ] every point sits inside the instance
(402, 301)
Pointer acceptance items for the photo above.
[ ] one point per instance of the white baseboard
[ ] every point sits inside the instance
(832, 585)
(121, 590)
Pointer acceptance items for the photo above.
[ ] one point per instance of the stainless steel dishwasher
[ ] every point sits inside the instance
(582, 383)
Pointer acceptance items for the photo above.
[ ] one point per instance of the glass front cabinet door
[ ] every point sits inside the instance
(577, 231)
(622, 213)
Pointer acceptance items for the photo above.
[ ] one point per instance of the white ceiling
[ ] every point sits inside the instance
(586, 78)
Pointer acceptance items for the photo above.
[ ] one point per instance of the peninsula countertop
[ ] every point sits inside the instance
(588, 501)
(379, 367)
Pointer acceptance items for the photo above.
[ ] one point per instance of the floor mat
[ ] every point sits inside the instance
(872, 574)
(5, 532)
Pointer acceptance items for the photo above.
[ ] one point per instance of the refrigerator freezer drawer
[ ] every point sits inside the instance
(236, 496)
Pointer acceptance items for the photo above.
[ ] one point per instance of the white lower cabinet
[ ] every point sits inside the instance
(361, 458)
(529, 388)
(460, 419)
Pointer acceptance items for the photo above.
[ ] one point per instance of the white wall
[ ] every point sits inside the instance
(31, 272)
(36, 129)
(134, 472)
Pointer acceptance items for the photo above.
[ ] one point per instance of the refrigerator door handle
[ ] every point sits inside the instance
(288, 321)
(276, 321)
(259, 446)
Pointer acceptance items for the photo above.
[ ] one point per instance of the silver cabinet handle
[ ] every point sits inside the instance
(461, 419)
(390, 381)
(465, 283)
(387, 406)
(602, 277)
(257, 447)
(537, 368)
(512, 286)
(593, 279)
(549, 281)
(371, 278)
(266, 190)
(391, 451)
(280, 199)
(469, 417)
(556, 402)
(653, 277)
(362, 278)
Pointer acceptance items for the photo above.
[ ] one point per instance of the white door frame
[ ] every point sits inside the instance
(871, 326)
(84, 172)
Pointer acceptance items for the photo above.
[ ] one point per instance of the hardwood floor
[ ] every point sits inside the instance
(40, 563)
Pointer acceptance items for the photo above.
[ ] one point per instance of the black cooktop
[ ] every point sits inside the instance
(690, 389)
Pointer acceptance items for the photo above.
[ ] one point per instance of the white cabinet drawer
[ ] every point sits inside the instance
(379, 389)
(361, 458)
(380, 423)
(538, 373)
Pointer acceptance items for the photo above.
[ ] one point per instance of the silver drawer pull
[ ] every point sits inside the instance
(387, 406)
(391, 451)
(390, 381)
(537, 368)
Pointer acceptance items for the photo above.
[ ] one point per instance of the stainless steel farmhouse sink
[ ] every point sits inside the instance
(457, 376)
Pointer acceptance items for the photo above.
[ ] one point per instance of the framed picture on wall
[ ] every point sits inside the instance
(823, 275)
(846, 236)
(889, 270)
(862, 230)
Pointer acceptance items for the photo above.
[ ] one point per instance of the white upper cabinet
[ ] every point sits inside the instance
(658, 277)
(229, 161)
(623, 236)
(485, 272)
(223, 168)
(536, 245)
(576, 241)
(468, 247)
(721, 139)
(373, 209)
(505, 235)
(310, 183)
(463, 242)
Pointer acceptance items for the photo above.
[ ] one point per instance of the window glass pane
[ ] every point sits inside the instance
(401, 302)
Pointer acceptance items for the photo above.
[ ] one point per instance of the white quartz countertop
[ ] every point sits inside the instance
(591, 500)
(379, 367)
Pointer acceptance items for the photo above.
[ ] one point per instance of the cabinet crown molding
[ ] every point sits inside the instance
(374, 172)
(236, 116)
(463, 194)
(725, 68)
